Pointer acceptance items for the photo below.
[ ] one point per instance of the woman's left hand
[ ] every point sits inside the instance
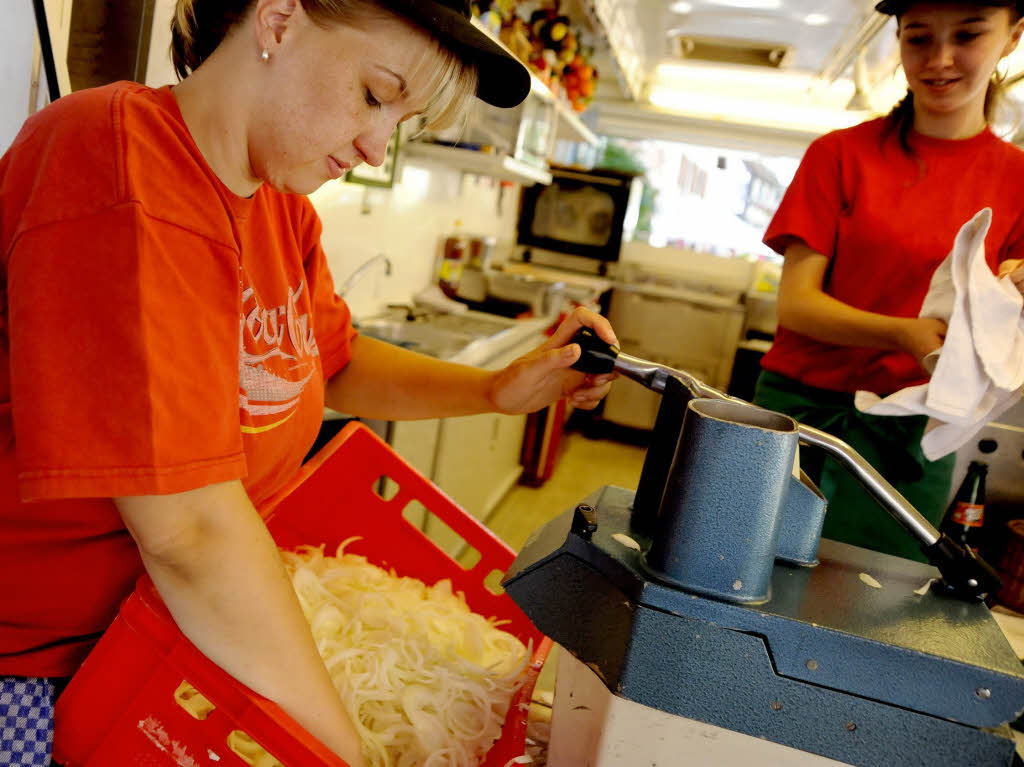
(545, 376)
(1015, 269)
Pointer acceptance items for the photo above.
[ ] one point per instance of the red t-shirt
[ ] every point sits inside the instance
(886, 220)
(159, 334)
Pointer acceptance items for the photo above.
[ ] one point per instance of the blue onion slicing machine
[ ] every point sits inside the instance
(703, 619)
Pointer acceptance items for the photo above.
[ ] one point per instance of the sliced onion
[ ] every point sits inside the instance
(426, 680)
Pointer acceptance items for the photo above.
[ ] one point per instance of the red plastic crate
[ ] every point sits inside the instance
(120, 710)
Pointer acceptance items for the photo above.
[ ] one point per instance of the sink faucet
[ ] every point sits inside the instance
(361, 271)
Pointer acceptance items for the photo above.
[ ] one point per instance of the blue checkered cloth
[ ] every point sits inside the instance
(26, 721)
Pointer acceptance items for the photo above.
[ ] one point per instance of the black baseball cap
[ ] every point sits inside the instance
(503, 80)
(899, 7)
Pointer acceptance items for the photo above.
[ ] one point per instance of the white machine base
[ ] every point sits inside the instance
(590, 727)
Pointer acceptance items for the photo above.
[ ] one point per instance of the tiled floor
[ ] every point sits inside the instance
(584, 465)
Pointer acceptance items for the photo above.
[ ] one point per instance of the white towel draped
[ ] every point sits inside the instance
(979, 372)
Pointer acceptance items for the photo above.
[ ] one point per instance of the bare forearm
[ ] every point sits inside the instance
(806, 308)
(387, 382)
(818, 315)
(227, 589)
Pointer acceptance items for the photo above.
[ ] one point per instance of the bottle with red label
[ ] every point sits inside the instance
(453, 262)
(965, 518)
(451, 266)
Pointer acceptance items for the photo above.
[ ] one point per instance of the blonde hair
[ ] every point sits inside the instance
(199, 26)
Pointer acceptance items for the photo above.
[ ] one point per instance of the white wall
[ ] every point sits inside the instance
(17, 44)
(17, 40)
(159, 70)
(408, 223)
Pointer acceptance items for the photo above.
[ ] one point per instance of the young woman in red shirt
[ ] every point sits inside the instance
(871, 212)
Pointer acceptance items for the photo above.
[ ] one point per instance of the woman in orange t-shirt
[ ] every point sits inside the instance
(172, 332)
(871, 212)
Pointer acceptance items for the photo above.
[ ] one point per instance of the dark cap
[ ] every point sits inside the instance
(503, 80)
(899, 7)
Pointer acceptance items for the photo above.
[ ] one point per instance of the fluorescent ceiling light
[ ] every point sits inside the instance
(681, 7)
(738, 109)
(763, 87)
(815, 19)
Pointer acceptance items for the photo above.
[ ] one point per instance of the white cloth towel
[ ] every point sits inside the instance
(979, 372)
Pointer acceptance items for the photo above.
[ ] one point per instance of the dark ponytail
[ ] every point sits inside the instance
(198, 28)
(901, 120)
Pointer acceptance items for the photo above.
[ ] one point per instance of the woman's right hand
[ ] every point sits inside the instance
(920, 336)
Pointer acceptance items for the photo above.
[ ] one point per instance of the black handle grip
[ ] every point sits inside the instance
(597, 356)
(964, 573)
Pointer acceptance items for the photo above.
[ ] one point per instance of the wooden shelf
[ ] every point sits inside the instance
(482, 163)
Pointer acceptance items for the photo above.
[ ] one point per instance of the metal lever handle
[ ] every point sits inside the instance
(963, 571)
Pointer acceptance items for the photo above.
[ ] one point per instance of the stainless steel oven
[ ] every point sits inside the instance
(580, 213)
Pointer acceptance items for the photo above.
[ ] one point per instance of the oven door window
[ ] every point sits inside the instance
(584, 216)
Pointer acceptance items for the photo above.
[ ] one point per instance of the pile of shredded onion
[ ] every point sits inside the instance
(427, 681)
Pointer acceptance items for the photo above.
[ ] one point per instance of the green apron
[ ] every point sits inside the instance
(892, 444)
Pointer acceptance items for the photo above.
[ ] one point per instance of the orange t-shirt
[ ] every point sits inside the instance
(159, 334)
(886, 220)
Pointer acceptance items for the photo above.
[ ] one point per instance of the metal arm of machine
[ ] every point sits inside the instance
(963, 571)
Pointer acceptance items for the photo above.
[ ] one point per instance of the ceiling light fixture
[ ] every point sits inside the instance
(681, 7)
(815, 19)
(744, 111)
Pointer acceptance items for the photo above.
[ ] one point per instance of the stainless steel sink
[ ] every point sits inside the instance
(444, 336)
(471, 324)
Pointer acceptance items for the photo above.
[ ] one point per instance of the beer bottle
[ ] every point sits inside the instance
(966, 514)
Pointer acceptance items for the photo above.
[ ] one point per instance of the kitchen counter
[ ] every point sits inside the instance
(468, 338)
(548, 274)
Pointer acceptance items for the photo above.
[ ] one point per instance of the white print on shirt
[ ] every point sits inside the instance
(276, 358)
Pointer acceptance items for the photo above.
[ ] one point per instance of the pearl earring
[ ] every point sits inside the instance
(265, 56)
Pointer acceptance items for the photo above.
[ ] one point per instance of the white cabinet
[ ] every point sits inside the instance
(474, 459)
(477, 459)
(671, 329)
(17, 36)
